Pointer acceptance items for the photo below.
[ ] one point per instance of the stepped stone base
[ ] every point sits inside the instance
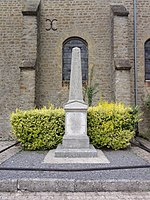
(75, 142)
(62, 152)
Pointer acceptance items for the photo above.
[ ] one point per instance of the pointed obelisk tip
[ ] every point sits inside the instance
(75, 92)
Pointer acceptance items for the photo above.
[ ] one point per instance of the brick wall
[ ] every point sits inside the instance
(28, 77)
(143, 33)
(86, 19)
(10, 60)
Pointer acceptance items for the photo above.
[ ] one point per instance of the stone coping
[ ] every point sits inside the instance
(72, 185)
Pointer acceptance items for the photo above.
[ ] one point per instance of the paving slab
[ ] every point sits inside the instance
(10, 152)
(141, 153)
(75, 195)
(50, 158)
(143, 141)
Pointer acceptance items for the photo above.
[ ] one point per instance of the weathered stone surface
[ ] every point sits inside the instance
(27, 88)
(29, 41)
(75, 92)
(88, 19)
(120, 10)
(76, 126)
(76, 152)
(75, 141)
(122, 64)
(100, 159)
(10, 61)
(8, 185)
(46, 185)
(29, 48)
(122, 89)
(72, 185)
(5, 155)
(30, 7)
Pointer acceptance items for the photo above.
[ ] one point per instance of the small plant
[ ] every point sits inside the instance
(90, 90)
(147, 101)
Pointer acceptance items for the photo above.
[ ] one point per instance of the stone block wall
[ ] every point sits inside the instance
(10, 61)
(89, 20)
(120, 31)
(27, 88)
(31, 51)
(143, 34)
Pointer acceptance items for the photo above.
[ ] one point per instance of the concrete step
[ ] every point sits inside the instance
(72, 185)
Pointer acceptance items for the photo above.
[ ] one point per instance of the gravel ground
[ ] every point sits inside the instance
(116, 158)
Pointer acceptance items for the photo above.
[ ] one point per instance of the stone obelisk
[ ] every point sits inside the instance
(75, 141)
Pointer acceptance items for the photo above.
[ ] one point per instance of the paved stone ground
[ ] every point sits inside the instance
(10, 152)
(141, 153)
(75, 196)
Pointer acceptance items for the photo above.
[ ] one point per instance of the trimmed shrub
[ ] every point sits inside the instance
(39, 129)
(111, 125)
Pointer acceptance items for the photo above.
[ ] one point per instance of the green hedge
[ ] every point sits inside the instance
(109, 125)
(39, 129)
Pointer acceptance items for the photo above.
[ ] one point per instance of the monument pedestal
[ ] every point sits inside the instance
(75, 141)
(62, 152)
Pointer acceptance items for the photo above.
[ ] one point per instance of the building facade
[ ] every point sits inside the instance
(37, 36)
